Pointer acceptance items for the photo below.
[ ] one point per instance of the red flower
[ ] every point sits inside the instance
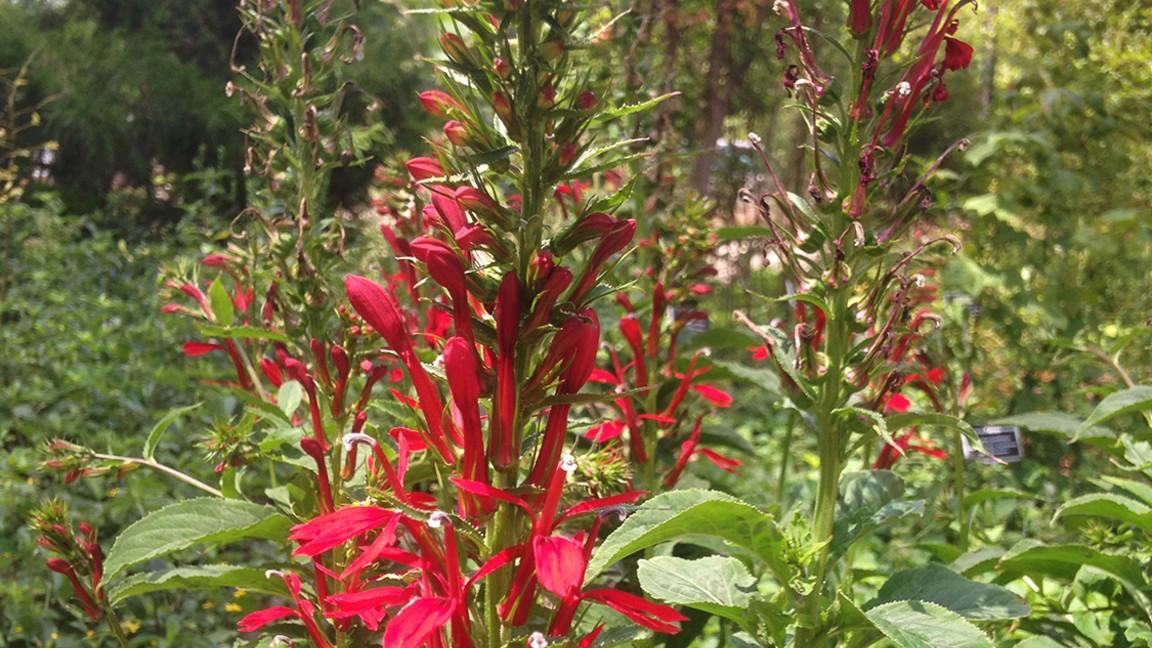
(439, 103)
(897, 403)
(422, 168)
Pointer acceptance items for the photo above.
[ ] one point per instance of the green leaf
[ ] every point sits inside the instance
(718, 585)
(246, 332)
(221, 303)
(766, 379)
(879, 425)
(1133, 399)
(869, 499)
(687, 512)
(1039, 642)
(723, 338)
(289, 397)
(206, 520)
(909, 419)
(919, 624)
(1057, 422)
(194, 578)
(628, 109)
(937, 584)
(1139, 489)
(1037, 560)
(1111, 506)
(162, 426)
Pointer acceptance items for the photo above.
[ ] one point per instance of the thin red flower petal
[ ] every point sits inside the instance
(413, 625)
(560, 564)
(654, 616)
(716, 396)
(261, 618)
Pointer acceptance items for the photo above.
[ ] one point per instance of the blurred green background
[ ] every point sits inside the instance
(134, 162)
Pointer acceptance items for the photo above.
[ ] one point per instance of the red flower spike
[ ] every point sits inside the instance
(446, 269)
(615, 240)
(503, 447)
(630, 329)
(380, 311)
(460, 366)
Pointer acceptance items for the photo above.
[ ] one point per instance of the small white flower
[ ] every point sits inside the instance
(437, 519)
(780, 7)
(568, 463)
(755, 139)
(537, 640)
(903, 88)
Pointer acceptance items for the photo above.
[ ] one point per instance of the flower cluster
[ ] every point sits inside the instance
(78, 556)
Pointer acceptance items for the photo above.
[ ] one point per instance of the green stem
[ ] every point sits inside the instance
(785, 464)
(167, 470)
(962, 512)
(113, 622)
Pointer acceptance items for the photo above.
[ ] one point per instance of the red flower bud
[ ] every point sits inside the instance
(860, 17)
(475, 200)
(457, 133)
(586, 100)
(422, 168)
(501, 68)
(455, 49)
(446, 269)
(439, 103)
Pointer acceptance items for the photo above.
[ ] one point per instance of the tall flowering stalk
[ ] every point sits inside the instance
(850, 245)
(663, 390)
(488, 547)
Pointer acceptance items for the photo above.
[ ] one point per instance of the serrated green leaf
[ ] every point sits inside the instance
(1039, 642)
(766, 379)
(1133, 399)
(1139, 489)
(687, 512)
(162, 426)
(195, 578)
(868, 500)
(718, 585)
(1108, 506)
(221, 303)
(206, 520)
(918, 624)
(937, 584)
(628, 109)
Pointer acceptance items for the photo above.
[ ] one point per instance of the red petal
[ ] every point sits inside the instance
(378, 308)
(193, 349)
(560, 564)
(484, 490)
(261, 618)
(723, 463)
(601, 376)
(717, 397)
(495, 562)
(334, 529)
(601, 503)
(897, 403)
(606, 431)
(653, 616)
(419, 619)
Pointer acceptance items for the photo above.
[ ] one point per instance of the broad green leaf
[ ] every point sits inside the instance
(206, 520)
(221, 303)
(687, 512)
(1139, 489)
(1109, 506)
(162, 426)
(909, 419)
(1035, 559)
(195, 578)
(918, 624)
(1133, 399)
(1057, 422)
(718, 585)
(289, 397)
(937, 584)
(869, 500)
(978, 561)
